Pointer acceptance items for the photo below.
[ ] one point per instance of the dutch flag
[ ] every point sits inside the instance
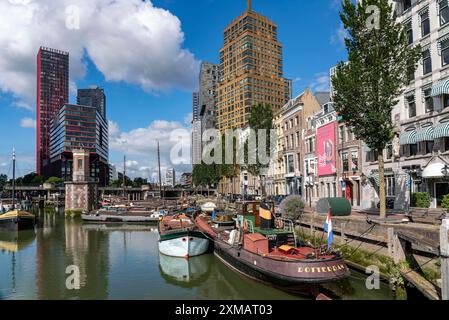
(328, 229)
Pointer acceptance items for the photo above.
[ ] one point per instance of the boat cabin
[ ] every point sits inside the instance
(260, 220)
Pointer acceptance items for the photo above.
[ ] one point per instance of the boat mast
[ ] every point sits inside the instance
(13, 178)
(124, 177)
(159, 166)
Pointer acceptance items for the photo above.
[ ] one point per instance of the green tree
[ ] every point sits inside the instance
(115, 183)
(368, 86)
(28, 178)
(229, 170)
(138, 182)
(205, 175)
(54, 180)
(37, 180)
(3, 180)
(261, 118)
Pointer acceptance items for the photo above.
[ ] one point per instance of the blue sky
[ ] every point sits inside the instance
(310, 32)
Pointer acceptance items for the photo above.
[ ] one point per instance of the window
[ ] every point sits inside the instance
(428, 147)
(425, 23)
(297, 139)
(411, 106)
(80, 164)
(291, 123)
(296, 121)
(355, 161)
(389, 185)
(444, 52)
(348, 134)
(413, 150)
(426, 62)
(409, 31)
(446, 144)
(444, 12)
(341, 134)
(445, 101)
(372, 156)
(291, 164)
(407, 4)
(345, 162)
(428, 100)
(291, 141)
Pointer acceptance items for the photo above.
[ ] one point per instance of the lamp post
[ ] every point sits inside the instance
(410, 172)
(310, 184)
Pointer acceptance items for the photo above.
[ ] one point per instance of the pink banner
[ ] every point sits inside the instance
(326, 150)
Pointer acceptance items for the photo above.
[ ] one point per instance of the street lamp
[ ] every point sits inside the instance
(310, 184)
(410, 172)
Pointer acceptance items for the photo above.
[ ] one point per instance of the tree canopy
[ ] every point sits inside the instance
(368, 86)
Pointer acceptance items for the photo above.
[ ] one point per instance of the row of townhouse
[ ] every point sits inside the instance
(417, 159)
(317, 155)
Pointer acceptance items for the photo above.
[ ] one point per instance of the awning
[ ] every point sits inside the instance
(441, 130)
(425, 134)
(440, 88)
(408, 137)
(434, 170)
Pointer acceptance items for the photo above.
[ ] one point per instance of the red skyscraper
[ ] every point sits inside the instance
(52, 94)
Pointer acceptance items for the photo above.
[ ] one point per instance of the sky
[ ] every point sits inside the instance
(146, 55)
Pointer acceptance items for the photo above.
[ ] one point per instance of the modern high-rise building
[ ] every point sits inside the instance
(52, 94)
(196, 130)
(207, 95)
(79, 127)
(94, 97)
(251, 70)
(170, 178)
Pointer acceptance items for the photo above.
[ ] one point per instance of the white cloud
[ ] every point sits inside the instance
(28, 123)
(338, 38)
(188, 119)
(128, 41)
(140, 146)
(321, 82)
(22, 105)
(24, 165)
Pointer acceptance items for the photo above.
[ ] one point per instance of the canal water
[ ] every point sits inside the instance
(123, 262)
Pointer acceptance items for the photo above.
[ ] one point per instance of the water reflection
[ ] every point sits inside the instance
(123, 262)
(185, 272)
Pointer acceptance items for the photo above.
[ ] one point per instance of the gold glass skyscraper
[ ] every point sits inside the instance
(251, 70)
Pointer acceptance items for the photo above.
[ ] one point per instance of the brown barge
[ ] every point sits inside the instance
(259, 250)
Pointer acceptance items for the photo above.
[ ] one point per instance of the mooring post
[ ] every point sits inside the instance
(390, 232)
(444, 252)
(399, 253)
(343, 232)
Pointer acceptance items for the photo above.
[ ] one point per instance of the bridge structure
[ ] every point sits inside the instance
(133, 194)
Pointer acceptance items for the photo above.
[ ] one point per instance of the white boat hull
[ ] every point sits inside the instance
(184, 246)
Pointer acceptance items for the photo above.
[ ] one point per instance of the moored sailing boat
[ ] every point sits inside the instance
(16, 219)
(179, 237)
(265, 248)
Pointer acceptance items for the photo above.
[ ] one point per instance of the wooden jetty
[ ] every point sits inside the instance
(400, 240)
